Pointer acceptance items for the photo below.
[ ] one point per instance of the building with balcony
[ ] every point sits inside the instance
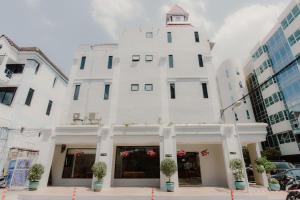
(151, 96)
(32, 91)
(273, 68)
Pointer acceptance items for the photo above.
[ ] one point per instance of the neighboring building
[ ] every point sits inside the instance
(277, 102)
(32, 90)
(232, 88)
(151, 96)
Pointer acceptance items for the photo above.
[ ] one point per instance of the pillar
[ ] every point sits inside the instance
(230, 151)
(104, 153)
(47, 147)
(254, 152)
(168, 150)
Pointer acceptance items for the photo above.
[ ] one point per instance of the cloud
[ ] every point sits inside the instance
(33, 3)
(243, 29)
(196, 9)
(112, 13)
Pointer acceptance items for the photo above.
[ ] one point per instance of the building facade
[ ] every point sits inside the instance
(151, 96)
(232, 89)
(273, 65)
(32, 91)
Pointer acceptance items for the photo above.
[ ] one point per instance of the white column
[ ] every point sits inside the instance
(46, 153)
(230, 151)
(168, 150)
(254, 152)
(104, 153)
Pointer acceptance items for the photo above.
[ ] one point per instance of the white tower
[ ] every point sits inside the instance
(177, 15)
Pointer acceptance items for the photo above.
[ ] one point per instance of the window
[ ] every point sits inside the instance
(241, 84)
(172, 90)
(204, 90)
(106, 91)
(7, 94)
(54, 82)
(135, 58)
(148, 58)
(284, 24)
(248, 114)
(291, 40)
(49, 107)
(236, 117)
(290, 18)
(15, 68)
(200, 60)
(169, 34)
(76, 93)
(78, 163)
(149, 35)
(171, 62)
(297, 35)
(196, 36)
(29, 96)
(148, 87)
(83, 59)
(135, 162)
(296, 11)
(110, 62)
(37, 68)
(135, 87)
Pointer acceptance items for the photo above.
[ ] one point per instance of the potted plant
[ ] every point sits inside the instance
(35, 174)
(168, 168)
(236, 166)
(99, 170)
(264, 165)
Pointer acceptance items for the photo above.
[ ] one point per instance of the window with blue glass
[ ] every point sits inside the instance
(171, 61)
(106, 91)
(82, 64)
(110, 62)
(169, 35)
(290, 17)
(76, 92)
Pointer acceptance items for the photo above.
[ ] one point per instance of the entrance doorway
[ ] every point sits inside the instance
(189, 173)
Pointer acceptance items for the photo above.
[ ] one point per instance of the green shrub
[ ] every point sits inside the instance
(35, 172)
(99, 170)
(262, 165)
(168, 167)
(236, 165)
(273, 181)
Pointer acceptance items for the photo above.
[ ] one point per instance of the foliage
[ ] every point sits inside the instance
(271, 153)
(99, 170)
(35, 172)
(273, 181)
(168, 167)
(236, 165)
(262, 164)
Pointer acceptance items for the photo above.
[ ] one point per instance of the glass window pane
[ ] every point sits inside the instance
(171, 62)
(82, 64)
(106, 91)
(76, 93)
(169, 34)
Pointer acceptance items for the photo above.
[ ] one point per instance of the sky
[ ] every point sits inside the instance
(58, 27)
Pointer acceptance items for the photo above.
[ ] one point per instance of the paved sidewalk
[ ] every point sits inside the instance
(131, 193)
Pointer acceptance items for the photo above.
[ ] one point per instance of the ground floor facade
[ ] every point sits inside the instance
(133, 154)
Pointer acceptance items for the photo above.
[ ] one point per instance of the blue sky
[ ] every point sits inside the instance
(58, 27)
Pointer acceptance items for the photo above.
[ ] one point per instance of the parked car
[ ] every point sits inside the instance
(284, 176)
(283, 166)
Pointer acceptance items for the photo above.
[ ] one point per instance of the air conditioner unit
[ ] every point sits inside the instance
(76, 116)
(92, 118)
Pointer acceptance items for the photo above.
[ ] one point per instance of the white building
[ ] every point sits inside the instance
(277, 100)
(152, 95)
(32, 90)
(232, 88)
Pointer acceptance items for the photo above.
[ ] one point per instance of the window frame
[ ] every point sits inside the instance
(49, 107)
(76, 92)
(106, 91)
(172, 90)
(169, 37)
(132, 87)
(171, 61)
(29, 97)
(197, 38)
(204, 90)
(200, 60)
(82, 62)
(135, 58)
(147, 58)
(148, 84)
(110, 62)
